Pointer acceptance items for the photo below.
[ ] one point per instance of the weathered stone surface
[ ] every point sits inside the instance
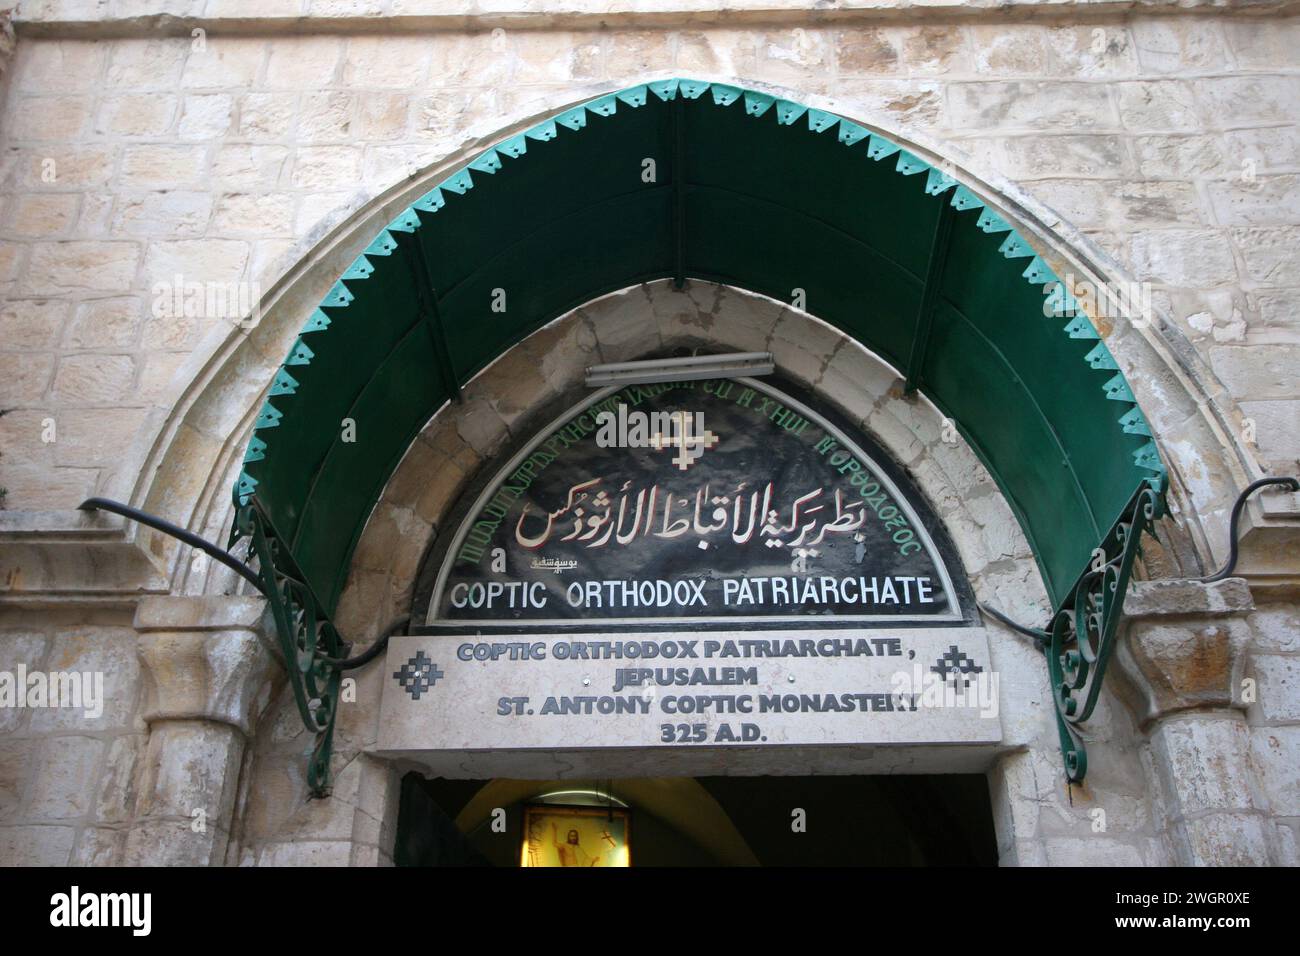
(125, 160)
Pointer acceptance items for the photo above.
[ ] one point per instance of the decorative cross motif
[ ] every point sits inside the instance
(957, 665)
(690, 446)
(418, 675)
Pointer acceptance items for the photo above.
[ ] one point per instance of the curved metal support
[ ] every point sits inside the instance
(177, 532)
(1082, 635)
(1237, 507)
(315, 654)
(311, 645)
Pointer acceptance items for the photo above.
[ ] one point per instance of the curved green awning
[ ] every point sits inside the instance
(752, 191)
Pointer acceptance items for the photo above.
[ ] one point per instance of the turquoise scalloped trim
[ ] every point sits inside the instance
(1058, 301)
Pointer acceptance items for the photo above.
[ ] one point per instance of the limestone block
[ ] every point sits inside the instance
(36, 846)
(42, 216)
(548, 57)
(1098, 850)
(90, 379)
(146, 64)
(637, 52)
(174, 843)
(19, 649)
(50, 118)
(227, 62)
(303, 63)
(1030, 105)
(1168, 45)
(254, 216)
(1003, 51)
(1276, 628)
(266, 116)
(63, 784)
(1271, 148)
(1277, 431)
(105, 324)
(1031, 157)
(1261, 371)
(306, 853)
(136, 114)
(1249, 100)
(381, 116)
(1276, 755)
(217, 261)
(26, 376)
(1225, 839)
(865, 51)
(64, 66)
(717, 53)
(1279, 686)
(99, 846)
(1206, 764)
(1091, 51)
(32, 323)
(1267, 200)
(161, 166)
(1195, 257)
(206, 116)
(803, 346)
(855, 380)
(1151, 106)
(895, 433)
(1181, 156)
(116, 798)
(1271, 254)
(109, 652)
(16, 761)
(1257, 45)
(917, 103)
(326, 167)
(189, 766)
(60, 267)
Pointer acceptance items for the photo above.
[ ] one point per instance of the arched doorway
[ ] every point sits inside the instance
(357, 501)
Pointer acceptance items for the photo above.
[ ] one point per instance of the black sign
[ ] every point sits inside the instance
(720, 500)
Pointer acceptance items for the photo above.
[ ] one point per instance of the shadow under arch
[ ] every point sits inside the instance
(685, 178)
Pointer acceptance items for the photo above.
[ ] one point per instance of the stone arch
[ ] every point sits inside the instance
(195, 454)
(506, 400)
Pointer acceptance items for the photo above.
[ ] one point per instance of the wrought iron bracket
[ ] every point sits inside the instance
(310, 644)
(1081, 637)
(315, 655)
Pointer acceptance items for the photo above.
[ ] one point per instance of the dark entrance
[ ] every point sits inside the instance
(848, 820)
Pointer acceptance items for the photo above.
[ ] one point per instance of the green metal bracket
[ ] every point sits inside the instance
(309, 642)
(1081, 638)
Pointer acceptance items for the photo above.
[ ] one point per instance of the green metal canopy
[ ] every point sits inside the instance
(748, 190)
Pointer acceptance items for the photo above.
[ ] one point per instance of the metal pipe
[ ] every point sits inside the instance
(177, 532)
(1238, 505)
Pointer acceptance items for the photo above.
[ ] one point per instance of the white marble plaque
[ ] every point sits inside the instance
(688, 690)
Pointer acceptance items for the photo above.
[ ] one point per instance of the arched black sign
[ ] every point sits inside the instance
(710, 502)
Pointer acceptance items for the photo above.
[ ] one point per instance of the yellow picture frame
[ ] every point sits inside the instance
(564, 836)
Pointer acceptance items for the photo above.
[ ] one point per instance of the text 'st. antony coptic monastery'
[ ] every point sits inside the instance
(592, 434)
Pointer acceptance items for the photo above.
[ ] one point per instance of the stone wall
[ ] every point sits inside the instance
(1169, 141)
(256, 147)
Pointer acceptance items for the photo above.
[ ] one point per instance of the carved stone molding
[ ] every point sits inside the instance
(1185, 645)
